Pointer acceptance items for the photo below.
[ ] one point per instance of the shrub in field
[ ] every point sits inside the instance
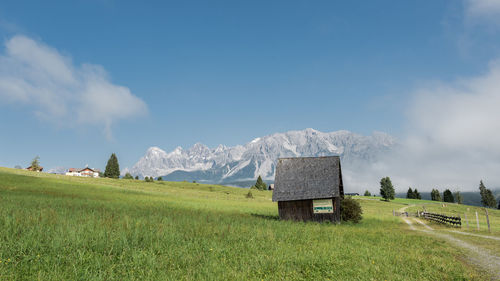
(249, 194)
(350, 210)
(159, 179)
(367, 193)
(128, 176)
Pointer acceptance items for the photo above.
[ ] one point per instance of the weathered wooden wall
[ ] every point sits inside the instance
(302, 210)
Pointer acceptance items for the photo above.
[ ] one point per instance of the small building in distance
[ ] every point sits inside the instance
(352, 194)
(309, 188)
(85, 172)
(30, 168)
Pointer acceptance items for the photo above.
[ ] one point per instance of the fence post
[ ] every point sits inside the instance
(487, 220)
(477, 221)
(466, 221)
(393, 213)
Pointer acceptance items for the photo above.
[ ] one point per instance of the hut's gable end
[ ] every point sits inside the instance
(307, 178)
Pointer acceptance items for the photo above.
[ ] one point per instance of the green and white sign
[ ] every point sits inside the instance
(323, 206)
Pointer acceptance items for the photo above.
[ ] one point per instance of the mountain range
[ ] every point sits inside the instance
(242, 164)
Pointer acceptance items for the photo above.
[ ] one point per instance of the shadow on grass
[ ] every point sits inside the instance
(267, 217)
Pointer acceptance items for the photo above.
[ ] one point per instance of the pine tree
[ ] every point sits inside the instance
(417, 194)
(409, 193)
(35, 164)
(128, 176)
(386, 189)
(482, 190)
(490, 199)
(458, 197)
(112, 168)
(435, 195)
(260, 184)
(136, 177)
(448, 196)
(367, 193)
(487, 198)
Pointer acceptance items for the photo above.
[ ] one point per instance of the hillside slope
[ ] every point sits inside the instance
(56, 227)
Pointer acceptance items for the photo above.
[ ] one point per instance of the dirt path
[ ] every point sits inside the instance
(478, 256)
(477, 235)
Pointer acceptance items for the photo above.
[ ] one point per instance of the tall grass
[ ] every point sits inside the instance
(63, 228)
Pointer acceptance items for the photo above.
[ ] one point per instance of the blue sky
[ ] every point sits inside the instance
(226, 71)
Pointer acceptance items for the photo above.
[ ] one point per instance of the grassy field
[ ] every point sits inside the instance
(69, 228)
(463, 211)
(470, 212)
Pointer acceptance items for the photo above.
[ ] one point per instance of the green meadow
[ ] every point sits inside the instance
(464, 211)
(68, 228)
(469, 225)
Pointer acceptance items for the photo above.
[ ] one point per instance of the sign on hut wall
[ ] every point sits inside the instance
(322, 206)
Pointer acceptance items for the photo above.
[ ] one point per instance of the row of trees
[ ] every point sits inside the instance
(448, 196)
(387, 192)
(413, 194)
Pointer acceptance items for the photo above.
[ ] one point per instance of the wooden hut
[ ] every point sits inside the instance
(309, 188)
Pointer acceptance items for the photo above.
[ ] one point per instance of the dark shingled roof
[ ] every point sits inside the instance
(307, 178)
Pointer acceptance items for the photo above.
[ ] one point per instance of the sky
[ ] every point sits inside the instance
(80, 80)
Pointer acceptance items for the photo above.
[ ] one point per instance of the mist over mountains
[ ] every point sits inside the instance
(241, 164)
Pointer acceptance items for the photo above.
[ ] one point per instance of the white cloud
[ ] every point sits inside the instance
(35, 74)
(464, 115)
(483, 9)
(453, 138)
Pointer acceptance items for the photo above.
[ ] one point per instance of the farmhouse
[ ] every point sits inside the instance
(309, 188)
(85, 172)
(30, 168)
(352, 194)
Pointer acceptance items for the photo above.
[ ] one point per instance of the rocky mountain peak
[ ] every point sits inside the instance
(259, 156)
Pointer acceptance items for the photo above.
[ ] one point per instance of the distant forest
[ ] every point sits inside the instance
(470, 198)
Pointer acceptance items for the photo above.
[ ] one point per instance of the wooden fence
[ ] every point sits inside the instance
(454, 221)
